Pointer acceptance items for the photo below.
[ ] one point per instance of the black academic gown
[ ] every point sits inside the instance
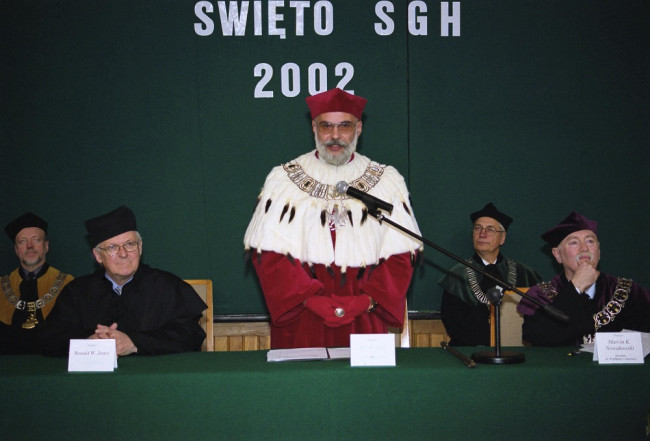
(466, 319)
(157, 310)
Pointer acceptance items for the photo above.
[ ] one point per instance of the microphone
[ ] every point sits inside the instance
(370, 201)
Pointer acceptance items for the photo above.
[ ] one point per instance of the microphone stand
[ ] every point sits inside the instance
(495, 296)
(496, 356)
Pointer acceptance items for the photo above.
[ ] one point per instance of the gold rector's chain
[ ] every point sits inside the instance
(615, 304)
(31, 307)
(613, 307)
(21, 304)
(317, 189)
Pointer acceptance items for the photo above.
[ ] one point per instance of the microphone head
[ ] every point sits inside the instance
(495, 294)
(342, 187)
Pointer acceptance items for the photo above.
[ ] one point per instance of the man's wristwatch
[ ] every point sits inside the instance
(373, 304)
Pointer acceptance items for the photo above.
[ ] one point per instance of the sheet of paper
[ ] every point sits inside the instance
(372, 350)
(587, 347)
(645, 341)
(92, 355)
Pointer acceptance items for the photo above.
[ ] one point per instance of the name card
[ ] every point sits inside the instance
(92, 355)
(618, 348)
(372, 350)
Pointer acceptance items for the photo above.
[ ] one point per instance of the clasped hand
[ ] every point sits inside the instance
(326, 306)
(123, 343)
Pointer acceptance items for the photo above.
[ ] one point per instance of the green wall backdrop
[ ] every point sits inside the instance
(538, 106)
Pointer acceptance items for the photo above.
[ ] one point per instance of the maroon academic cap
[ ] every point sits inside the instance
(110, 225)
(24, 221)
(336, 100)
(572, 223)
(491, 211)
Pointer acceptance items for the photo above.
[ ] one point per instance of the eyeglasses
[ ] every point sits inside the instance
(345, 127)
(113, 249)
(490, 231)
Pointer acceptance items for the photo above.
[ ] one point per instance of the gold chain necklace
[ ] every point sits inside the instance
(31, 307)
(315, 188)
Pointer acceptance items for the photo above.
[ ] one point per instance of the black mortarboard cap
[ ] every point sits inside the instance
(491, 211)
(110, 225)
(24, 221)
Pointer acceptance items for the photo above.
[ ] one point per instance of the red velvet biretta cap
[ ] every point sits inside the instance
(336, 100)
(572, 223)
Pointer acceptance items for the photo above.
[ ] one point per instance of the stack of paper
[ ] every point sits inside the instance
(306, 354)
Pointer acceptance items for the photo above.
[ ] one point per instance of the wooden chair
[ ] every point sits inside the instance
(203, 287)
(402, 337)
(511, 320)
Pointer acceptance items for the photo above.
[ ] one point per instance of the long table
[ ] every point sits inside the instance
(238, 395)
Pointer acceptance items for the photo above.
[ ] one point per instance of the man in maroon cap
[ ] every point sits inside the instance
(465, 308)
(146, 311)
(29, 292)
(594, 301)
(327, 269)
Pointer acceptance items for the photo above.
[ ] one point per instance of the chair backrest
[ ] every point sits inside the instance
(402, 336)
(203, 287)
(511, 320)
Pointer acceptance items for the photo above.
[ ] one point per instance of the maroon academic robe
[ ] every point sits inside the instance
(541, 329)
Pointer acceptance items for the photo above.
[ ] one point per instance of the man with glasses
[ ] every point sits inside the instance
(594, 301)
(147, 311)
(465, 309)
(30, 291)
(326, 267)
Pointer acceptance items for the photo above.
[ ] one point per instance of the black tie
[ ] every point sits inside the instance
(29, 293)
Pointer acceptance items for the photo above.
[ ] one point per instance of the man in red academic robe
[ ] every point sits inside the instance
(327, 268)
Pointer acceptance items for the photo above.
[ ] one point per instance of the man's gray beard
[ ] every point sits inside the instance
(340, 158)
(34, 261)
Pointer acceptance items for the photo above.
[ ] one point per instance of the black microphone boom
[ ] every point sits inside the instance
(370, 201)
(495, 297)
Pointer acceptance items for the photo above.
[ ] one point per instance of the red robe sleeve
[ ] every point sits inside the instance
(387, 284)
(286, 285)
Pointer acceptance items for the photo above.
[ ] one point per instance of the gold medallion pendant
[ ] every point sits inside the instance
(31, 321)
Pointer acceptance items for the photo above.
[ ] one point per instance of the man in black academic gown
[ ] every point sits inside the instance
(147, 311)
(465, 309)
